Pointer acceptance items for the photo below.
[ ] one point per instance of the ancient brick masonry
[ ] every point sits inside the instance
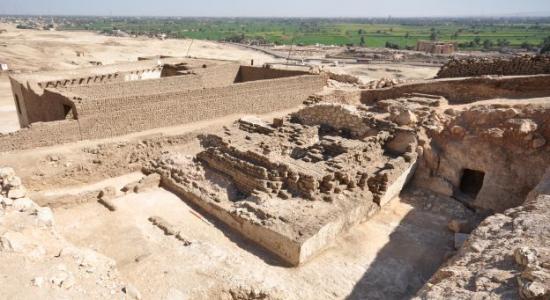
(521, 65)
(330, 166)
(197, 90)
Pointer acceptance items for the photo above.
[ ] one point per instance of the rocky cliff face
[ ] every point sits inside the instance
(506, 257)
(505, 146)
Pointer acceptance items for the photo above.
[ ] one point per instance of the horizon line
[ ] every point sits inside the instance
(487, 16)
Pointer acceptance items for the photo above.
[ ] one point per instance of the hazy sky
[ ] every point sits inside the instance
(279, 8)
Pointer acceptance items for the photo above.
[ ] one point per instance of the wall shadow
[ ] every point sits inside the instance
(416, 248)
(232, 234)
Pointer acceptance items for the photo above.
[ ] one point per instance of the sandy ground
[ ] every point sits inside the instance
(388, 257)
(376, 71)
(32, 50)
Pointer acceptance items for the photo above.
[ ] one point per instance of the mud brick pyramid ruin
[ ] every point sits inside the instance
(297, 183)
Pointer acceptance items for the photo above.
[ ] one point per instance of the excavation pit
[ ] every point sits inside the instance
(152, 260)
(315, 204)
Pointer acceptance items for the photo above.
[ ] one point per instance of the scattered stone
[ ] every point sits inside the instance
(89, 261)
(69, 282)
(54, 158)
(284, 195)
(278, 122)
(107, 193)
(148, 182)
(166, 227)
(23, 204)
(6, 201)
(523, 126)
(532, 289)
(182, 238)
(13, 183)
(405, 117)
(130, 187)
(63, 279)
(6, 173)
(108, 204)
(44, 216)
(17, 193)
(38, 281)
(525, 256)
(403, 141)
(132, 292)
(12, 241)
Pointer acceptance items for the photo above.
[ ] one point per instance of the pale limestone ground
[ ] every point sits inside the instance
(360, 264)
(389, 256)
(49, 50)
(376, 71)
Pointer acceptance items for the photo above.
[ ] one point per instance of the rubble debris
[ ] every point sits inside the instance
(325, 154)
(169, 229)
(166, 227)
(132, 292)
(381, 83)
(28, 234)
(108, 204)
(146, 183)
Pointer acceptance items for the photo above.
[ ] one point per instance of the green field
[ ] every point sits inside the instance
(467, 33)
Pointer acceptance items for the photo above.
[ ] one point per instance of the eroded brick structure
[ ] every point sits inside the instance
(102, 102)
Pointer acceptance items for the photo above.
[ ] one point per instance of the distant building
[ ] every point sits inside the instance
(3, 67)
(435, 47)
(120, 33)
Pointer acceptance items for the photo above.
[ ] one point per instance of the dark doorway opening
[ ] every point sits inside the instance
(471, 182)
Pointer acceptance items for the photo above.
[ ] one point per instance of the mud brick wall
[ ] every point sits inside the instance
(524, 65)
(117, 116)
(220, 75)
(215, 76)
(41, 135)
(130, 88)
(36, 107)
(335, 115)
(467, 90)
(123, 114)
(247, 73)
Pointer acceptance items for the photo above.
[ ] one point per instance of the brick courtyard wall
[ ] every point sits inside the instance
(41, 135)
(467, 90)
(118, 116)
(524, 65)
(247, 73)
(115, 116)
